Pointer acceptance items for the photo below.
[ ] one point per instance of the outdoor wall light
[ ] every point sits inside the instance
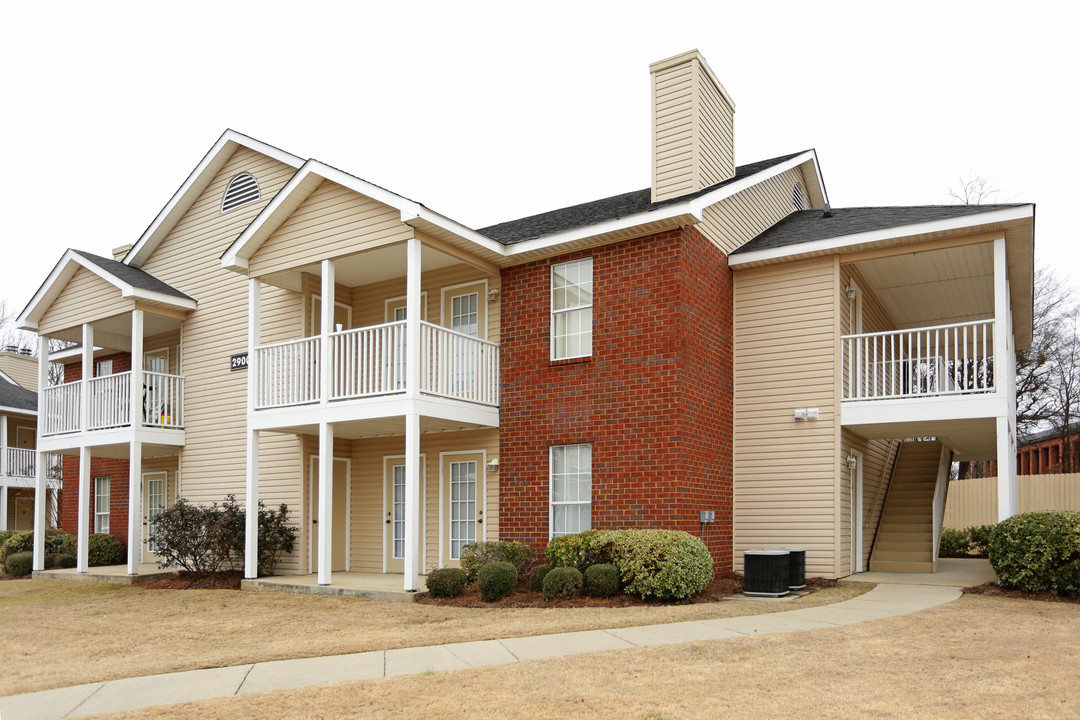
(493, 465)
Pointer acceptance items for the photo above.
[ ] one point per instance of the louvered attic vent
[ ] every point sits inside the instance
(242, 189)
(797, 197)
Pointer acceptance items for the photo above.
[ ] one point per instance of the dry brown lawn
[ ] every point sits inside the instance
(58, 633)
(979, 657)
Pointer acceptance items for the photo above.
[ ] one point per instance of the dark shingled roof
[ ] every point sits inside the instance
(132, 275)
(809, 225)
(17, 397)
(1050, 434)
(612, 208)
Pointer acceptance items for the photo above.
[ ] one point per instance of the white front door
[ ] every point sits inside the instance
(24, 513)
(394, 513)
(153, 505)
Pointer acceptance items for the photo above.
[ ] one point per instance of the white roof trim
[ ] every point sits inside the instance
(74, 351)
(8, 378)
(18, 411)
(183, 198)
(844, 241)
(695, 208)
(66, 268)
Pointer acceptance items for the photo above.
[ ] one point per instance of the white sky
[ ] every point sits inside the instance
(488, 112)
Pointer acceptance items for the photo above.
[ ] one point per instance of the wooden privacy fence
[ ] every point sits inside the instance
(974, 501)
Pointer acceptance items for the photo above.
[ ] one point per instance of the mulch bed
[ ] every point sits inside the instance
(991, 588)
(229, 580)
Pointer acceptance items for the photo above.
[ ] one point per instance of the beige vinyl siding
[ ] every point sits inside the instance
(785, 472)
(368, 511)
(332, 222)
(14, 422)
(693, 138)
(20, 368)
(85, 298)
(213, 461)
(734, 221)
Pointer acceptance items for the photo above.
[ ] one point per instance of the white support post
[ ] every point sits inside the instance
(134, 502)
(1004, 379)
(412, 321)
(3, 508)
(251, 496)
(83, 540)
(3, 457)
(138, 390)
(39, 480)
(326, 500)
(412, 502)
(326, 320)
(87, 375)
(251, 505)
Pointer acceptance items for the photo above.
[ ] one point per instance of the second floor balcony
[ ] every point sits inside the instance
(21, 463)
(372, 362)
(109, 404)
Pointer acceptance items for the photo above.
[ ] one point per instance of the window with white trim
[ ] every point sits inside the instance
(242, 189)
(571, 489)
(101, 505)
(103, 368)
(571, 309)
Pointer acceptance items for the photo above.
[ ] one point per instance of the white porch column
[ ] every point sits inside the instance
(1005, 382)
(251, 495)
(87, 375)
(39, 480)
(326, 499)
(138, 401)
(134, 502)
(412, 501)
(3, 457)
(3, 508)
(413, 309)
(326, 322)
(83, 546)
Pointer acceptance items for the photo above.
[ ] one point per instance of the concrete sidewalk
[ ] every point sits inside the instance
(885, 600)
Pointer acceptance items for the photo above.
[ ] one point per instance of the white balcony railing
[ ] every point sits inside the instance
(22, 463)
(956, 359)
(109, 400)
(372, 361)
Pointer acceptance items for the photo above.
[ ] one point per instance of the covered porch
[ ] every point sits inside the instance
(377, 586)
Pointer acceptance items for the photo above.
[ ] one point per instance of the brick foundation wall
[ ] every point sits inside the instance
(654, 399)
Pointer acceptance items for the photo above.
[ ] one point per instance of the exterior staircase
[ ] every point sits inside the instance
(905, 537)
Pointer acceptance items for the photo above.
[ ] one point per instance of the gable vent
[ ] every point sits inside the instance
(242, 189)
(798, 199)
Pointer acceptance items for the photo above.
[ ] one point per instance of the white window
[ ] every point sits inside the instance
(571, 309)
(571, 489)
(101, 505)
(242, 189)
(103, 368)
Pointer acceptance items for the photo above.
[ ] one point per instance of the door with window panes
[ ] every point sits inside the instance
(463, 503)
(394, 511)
(464, 314)
(153, 505)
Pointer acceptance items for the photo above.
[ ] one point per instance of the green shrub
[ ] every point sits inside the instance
(105, 550)
(19, 564)
(602, 580)
(667, 564)
(4, 535)
(476, 555)
(981, 535)
(64, 561)
(445, 582)
(536, 579)
(50, 562)
(953, 543)
(56, 542)
(578, 550)
(562, 583)
(497, 580)
(1038, 551)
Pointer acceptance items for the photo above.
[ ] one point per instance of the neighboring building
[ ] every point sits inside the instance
(18, 442)
(720, 342)
(1048, 452)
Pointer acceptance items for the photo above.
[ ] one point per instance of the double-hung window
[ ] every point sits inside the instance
(571, 309)
(101, 505)
(571, 489)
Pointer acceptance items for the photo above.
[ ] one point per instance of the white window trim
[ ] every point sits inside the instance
(155, 352)
(100, 365)
(551, 487)
(311, 320)
(555, 313)
(390, 304)
(480, 287)
(98, 514)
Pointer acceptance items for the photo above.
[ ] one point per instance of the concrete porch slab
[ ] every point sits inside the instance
(117, 574)
(955, 572)
(377, 586)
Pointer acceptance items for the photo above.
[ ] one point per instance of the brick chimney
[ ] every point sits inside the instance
(693, 127)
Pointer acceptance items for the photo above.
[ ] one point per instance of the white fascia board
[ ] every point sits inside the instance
(160, 298)
(7, 378)
(74, 351)
(58, 277)
(694, 208)
(453, 226)
(228, 141)
(16, 411)
(844, 241)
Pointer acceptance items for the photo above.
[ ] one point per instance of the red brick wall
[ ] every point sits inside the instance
(654, 399)
(117, 472)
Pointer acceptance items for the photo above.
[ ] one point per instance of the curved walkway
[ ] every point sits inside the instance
(885, 600)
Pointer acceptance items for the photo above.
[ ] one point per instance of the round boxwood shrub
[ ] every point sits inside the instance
(536, 580)
(445, 582)
(562, 583)
(56, 542)
(105, 550)
(63, 561)
(953, 543)
(602, 580)
(19, 564)
(1038, 551)
(497, 580)
(476, 555)
(578, 550)
(667, 564)
(981, 535)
